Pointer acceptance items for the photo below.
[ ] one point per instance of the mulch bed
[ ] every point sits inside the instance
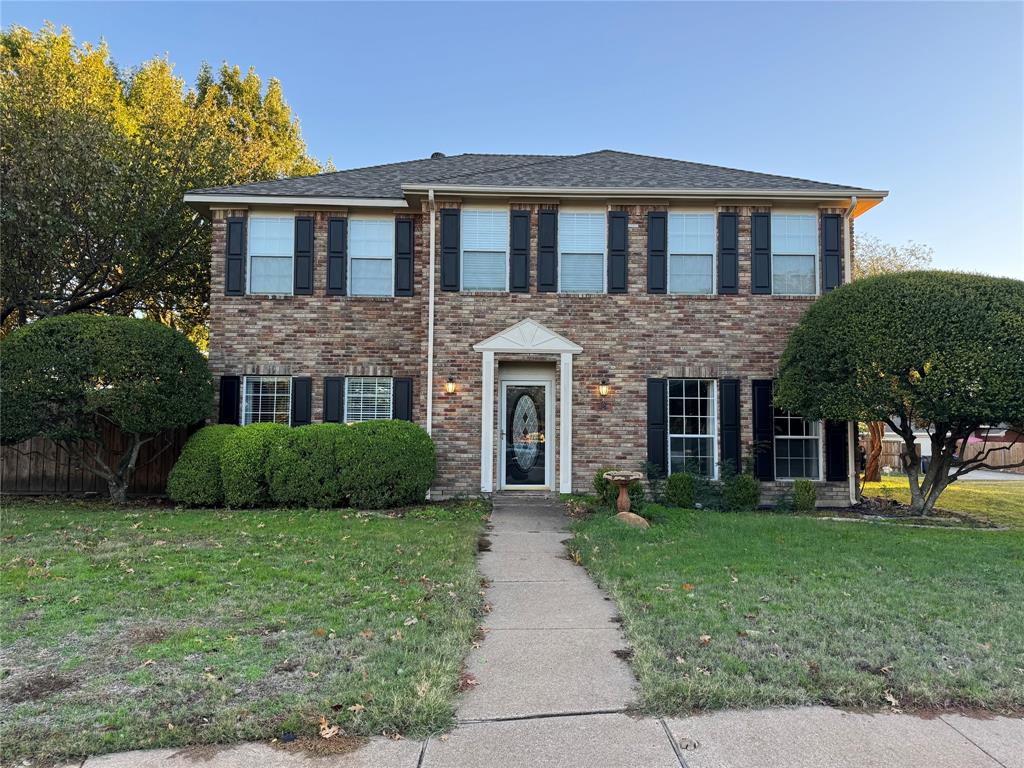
(877, 508)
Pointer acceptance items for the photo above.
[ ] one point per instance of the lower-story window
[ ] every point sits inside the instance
(692, 426)
(367, 398)
(267, 398)
(797, 447)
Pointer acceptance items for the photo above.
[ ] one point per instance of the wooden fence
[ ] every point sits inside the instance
(42, 468)
(892, 449)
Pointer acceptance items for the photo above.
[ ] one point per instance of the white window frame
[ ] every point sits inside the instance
(348, 399)
(349, 257)
(714, 251)
(245, 398)
(256, 215)
(821, 449)
(604, 251)
(712, 415)
(508, 245)
(817, 250)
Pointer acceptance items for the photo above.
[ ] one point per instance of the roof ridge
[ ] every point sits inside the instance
(547, 159)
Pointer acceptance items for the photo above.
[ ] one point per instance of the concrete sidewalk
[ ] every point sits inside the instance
(551, 692)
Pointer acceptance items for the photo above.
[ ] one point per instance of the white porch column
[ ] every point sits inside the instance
(565, 430)
(487, 425)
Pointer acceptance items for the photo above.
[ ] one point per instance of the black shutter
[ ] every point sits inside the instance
(728, 254)
(729, 394)
(764, 430)
(657, 252)
(761, 253)
(835, 450)
(403, 257)
(234, 257)
(519, 252)
(334, 398)
(450, 277)
(401, 399)
(303, 285)
(337, 249)
(618, 252)
(657, 424)
(230, 396)
(830, 250)
(547, 251)
(302, 401)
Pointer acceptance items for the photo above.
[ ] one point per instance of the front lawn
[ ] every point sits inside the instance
(146, 627)
(1001, 501)
(758, 609)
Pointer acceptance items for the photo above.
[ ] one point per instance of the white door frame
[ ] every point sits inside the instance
(549, 428)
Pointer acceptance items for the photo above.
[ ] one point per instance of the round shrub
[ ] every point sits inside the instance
(741, 492)
(243, 464)
(302, 468)
(608, 492)
(195, 479)
(805, 496)
(385, 464)
(680, 489)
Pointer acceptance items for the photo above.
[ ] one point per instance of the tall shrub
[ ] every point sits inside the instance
(302, 469)
(244, 458)
(195, 479)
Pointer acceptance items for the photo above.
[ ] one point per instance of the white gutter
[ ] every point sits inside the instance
(620, 192)
(851, 436)
(232, 199)
(430, 319)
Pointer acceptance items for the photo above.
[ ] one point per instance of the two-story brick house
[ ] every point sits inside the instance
(541, 316)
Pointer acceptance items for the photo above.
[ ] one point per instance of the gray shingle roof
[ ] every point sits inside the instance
(606, 169)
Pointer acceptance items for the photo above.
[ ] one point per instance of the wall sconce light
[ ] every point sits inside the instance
(603, 389)
(449, 386)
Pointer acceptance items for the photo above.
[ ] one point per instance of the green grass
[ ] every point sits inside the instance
(1000, 501)
(758, 609)
(146, 627)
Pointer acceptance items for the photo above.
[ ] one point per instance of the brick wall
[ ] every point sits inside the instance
(625, 339)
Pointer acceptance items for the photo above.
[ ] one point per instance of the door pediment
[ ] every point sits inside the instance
(528, 336)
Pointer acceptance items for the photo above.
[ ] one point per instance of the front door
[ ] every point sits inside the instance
(525, 434)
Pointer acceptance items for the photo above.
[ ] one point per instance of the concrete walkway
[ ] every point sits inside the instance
(552, 692)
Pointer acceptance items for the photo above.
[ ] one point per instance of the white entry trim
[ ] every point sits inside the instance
(526, 337)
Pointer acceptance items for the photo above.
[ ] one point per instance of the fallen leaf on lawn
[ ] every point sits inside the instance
(893, 701)
(170, 726)
(422, 688)
(444, 737)
(410, 621)
(147, 663)
(76, 599)
(320, 632)
(688, 587)
(765, 598)
(327, 730)
(356, 708)
(680, 660)
(705, 639)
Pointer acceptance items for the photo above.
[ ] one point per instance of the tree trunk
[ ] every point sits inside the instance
(873, 468)
(118, 491)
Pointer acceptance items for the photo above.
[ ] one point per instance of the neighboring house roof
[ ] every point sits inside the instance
(606, 170)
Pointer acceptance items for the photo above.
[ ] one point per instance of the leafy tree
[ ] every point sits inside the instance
(94, 164)
(940, 350)
(64, 378)
(872, 257)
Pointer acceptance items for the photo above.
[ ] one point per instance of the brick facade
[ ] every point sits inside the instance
(626, 338)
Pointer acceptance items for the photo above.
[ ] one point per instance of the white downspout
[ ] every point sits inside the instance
(851, 437)
(430, 319)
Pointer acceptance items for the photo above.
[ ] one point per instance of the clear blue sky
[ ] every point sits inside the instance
(923, 99)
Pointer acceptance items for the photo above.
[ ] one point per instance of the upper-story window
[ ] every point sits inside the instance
(371, 257)
(271, 249)
(484, 250)
(794, 254)
(797, 446)
(581, 252)
(368, 398)
(267, 398)
(691, 247)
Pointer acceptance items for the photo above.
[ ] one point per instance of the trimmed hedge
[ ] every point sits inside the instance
(243, 467)
(805, 496)
(609, 492)
(740, 493)
(195, 479)
(385, 463)
(680, 490)
(302, 469)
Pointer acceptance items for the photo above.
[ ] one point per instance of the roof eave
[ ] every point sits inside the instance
(204, 201)
(620, 192)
